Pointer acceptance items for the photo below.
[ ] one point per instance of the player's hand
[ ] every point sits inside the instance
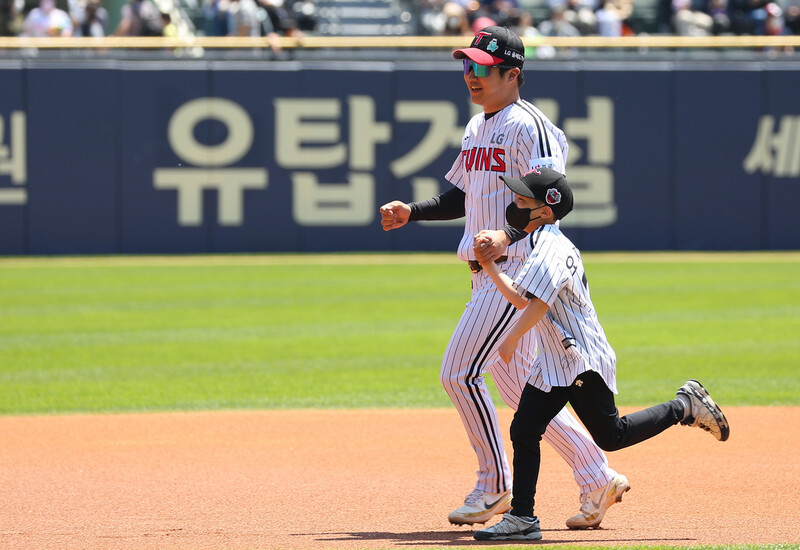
(490, 245)
(394, 214)
(506, 350)
(479, 245)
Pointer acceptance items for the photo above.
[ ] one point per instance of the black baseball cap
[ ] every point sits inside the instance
(494, 46)
(546, 185)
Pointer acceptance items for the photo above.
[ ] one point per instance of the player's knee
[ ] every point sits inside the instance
(449, 381)
(606, 441)
(452, 379)
(525, 431)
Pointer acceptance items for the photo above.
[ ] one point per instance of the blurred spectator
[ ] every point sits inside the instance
(91, 18)
(624, 9)
(583, 14)
(454, 20)
(304, 14)
(792, 15)
(140, 18)
(580, 13)
(773, 24)
(687, 21)
(557, 25)
(481, 23)
(524, 26)
(664, 16)
(170, 29)
(215, 13)
(747, 16)
(609, 20)
(442, 17)
(280, 20)
(243, 19)
(718, 10)
(503, 12)
(428, 16)
(47, 20)
(8, 18)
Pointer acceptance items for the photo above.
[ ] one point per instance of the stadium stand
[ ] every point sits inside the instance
(362, 18)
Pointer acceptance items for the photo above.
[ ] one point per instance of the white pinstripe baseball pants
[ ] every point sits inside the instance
(471, 352)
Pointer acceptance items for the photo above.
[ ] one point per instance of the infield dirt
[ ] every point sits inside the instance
(364, 479)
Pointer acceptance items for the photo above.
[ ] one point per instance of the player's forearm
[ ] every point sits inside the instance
(450, 205)
(513, 234)
(505, 285)
(530, 316)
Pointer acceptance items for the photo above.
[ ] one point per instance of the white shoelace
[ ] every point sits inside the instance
(473, 498)
(586, 503)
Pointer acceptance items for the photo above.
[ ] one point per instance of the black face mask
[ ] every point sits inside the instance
(519, 218)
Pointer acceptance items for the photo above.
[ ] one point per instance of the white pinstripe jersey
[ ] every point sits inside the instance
(569, 336)
(510, 143)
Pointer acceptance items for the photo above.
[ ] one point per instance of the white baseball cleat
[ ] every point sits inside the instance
(480, 506)
(704, 412)
(511, 528)
(595, 503)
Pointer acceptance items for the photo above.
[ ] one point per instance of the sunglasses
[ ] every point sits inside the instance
(481, 70)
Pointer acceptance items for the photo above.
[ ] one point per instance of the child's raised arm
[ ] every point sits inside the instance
(503, 282)
(530, 316)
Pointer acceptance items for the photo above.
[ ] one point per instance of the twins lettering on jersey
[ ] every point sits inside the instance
(491, 159)
(488, 159)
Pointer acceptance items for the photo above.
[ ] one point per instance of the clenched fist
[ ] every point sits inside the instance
(394, 214)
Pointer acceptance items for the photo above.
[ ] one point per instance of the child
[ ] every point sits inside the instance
(575, 364)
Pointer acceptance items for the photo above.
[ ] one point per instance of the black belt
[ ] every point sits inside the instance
(475, 267)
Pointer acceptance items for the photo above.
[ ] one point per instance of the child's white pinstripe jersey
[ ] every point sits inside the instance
(509, 143)
(569, 336)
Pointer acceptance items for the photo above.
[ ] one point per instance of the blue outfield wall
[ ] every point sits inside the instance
(194, 157)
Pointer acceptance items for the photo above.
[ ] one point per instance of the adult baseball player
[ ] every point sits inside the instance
(509, 138)
(576, 363)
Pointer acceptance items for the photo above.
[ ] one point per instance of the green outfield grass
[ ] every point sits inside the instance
(329, 331)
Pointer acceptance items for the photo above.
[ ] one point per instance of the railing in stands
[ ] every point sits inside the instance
(398, 42)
